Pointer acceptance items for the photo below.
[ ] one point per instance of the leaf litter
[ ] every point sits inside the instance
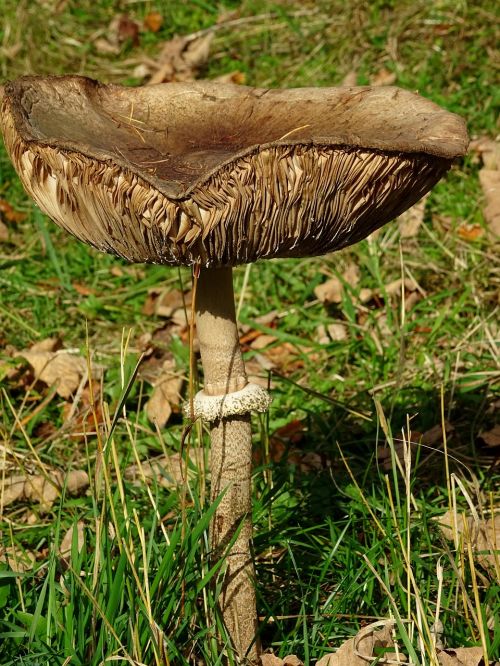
(55, 366)
(375, 643)
(482, 533)
(488, 151)
(43, 489)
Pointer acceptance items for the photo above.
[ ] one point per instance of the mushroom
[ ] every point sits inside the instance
(212, 176)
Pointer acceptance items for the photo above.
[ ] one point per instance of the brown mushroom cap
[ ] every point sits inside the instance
(184, 173)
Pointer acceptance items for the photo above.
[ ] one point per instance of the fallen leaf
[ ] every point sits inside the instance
(322, 337)
(17, 559)
(490, 183)
(488, 150)
(383, 78)
(103, 46)
(337, 332)
(43, 489)
(164, 303)
(394, 287)
(180, 59)
(262, 341)
(120, 29)
(125, 29)
(360, 650)
(484, 535)
(166, 394)
(330, 291)
(286, 357)
(270, 660)
(431, 439)
(168, 471)
(491, 437)
(465, 656)
(434, 435)
(84, 414)
(411, 220)
(365, 295)
(256, 371)
(67, 540)
(153, 21)
(284, 446)
(384, 454)
(9, 214)
(47, 345)
(470, 232)
(235, 77)
(351, 274)
(82, 289)
(273, 660)
(4, 233)
(61, 369)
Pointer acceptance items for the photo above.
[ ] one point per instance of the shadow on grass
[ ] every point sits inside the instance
(319, 527)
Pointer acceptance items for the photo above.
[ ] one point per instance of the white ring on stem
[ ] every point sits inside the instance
(252, 398)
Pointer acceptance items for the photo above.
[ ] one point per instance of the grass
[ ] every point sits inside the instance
(336, 547)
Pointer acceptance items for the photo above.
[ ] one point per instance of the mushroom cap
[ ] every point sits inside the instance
(184, 173)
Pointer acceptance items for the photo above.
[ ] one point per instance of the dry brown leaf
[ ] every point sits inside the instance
(434, 435)
(82, 289)
(257, 371)
(470, 232)
(365, 295)
(489, 151)
(61, 369)
(322, 336)
(43, 489)
(491, 437)
(102, 45)
(120, 29)
(273, 660)
(236, 77)
(67, 541)
(465, 656)
(124, 28)
(337, 332)
(270, 660)
(483, 535)
(351, 274)
(84, 414)
(166, 394)
(384, 455)
(47, 345)
(197, 52)
(286, 357)
(262, 341)
(330, 291)
(411, 220)
(360, 650)
(180, 59)
(164, 303)
(153, 21)
(383, 78)
(9, 214)
(168, 471)
(17, 559)
(394, 287)
(490, 182)
(4, 233)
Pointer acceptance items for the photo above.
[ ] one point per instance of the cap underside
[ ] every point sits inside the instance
(223, 175)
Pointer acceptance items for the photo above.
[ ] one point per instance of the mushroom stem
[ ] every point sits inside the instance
(231, 458)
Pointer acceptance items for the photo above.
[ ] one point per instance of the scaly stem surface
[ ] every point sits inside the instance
(231, 457)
